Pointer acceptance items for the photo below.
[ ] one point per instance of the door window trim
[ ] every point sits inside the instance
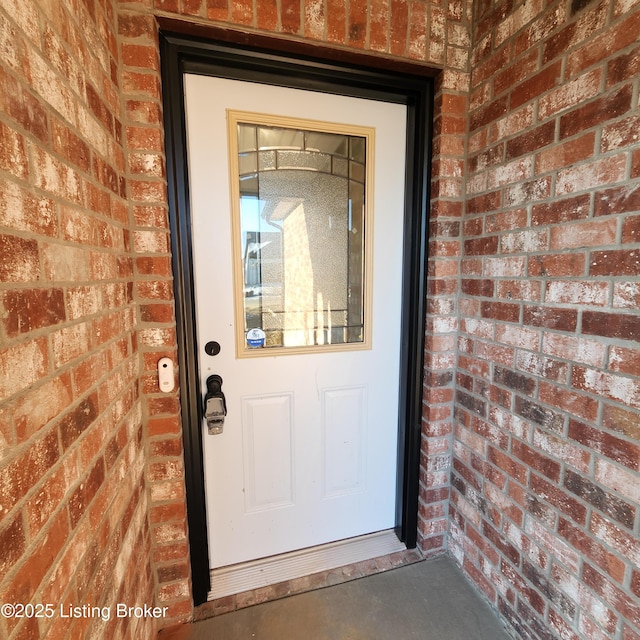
(311, 344)
(182, 54)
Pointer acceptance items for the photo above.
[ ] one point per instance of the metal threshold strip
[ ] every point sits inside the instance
(246, 576)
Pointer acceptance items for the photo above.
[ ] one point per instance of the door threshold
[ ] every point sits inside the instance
(248, 576)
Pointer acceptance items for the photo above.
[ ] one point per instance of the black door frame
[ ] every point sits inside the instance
(182, 54)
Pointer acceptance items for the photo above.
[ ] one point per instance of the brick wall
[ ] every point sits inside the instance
(73, 504)
(546, 491)
(533, 286)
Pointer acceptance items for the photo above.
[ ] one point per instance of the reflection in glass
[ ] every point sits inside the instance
(302, 199)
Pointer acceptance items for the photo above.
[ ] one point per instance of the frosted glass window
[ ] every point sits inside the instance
(301, 232)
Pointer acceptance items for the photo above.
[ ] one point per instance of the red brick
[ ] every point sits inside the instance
(535, 460)
(596, 112)
(621, 451)
(154, 266)
(635, 164)
(617, 200)
(592, 174)
(584, 234)
(531, 141)
(26, 109)
(30, 309)
(558, 498)
(192, 7)
(481, 246)
(157, 313)
(550, 318)
(13, 152)
(623, 481)
(631, 230)
(620, 601)
(478, 287)
(624, 67)
(611, 325)
(267, 14)
(242, 12)
(578, 292)
(615, 263)
(488, 114)
(536, 85)
(564, 210)
(218, 10)
(558, 265)
(622, 420)
(487, 63)
(12, 541)
(507, 464)
(635, 583)
(523, 68)
(77, 421)
(22, 365)
(500, 311)
(609, 385)
(608, 503)
(336, 21)
(525, 290)
(134, 25)
(19, 259)
(577, 404)
(624, 360)
(613, 40)
(526, 192)
(565, 154)
(139, 55)
(501, 543)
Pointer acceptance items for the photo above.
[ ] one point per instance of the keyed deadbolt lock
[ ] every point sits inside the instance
(215, 405)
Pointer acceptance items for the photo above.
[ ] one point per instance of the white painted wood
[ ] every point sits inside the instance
(267, 427)
(266, 571)
(344, 440)
(242, 528)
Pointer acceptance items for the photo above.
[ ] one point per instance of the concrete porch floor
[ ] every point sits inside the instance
(428, 600)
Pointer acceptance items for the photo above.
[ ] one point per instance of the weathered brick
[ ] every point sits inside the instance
(618, 509)
(624, 604)
(22, 365)
(536, 85)
(500, 311)
(615, 263)
(12, 539)
(616, 449)
(550, 317)
(27, 310)
(558, 265)
(611, 325)
(19, 259)
(596, 112)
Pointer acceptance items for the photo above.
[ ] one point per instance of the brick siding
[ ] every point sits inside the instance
(530, 460)
(73, 503)
(546, 490)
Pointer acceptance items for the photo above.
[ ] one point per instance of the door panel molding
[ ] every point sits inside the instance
(181, 54)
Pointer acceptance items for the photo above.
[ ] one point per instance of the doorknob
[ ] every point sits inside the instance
(215, 405)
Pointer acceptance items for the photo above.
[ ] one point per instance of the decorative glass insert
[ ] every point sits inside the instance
(301, 234)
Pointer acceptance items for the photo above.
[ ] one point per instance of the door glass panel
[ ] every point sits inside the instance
(300, 195)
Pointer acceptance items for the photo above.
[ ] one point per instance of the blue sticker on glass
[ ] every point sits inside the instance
(255, 338)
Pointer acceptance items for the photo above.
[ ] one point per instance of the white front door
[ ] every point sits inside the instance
(309, 446)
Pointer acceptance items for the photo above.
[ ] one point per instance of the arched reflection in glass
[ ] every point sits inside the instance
(301, 232)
